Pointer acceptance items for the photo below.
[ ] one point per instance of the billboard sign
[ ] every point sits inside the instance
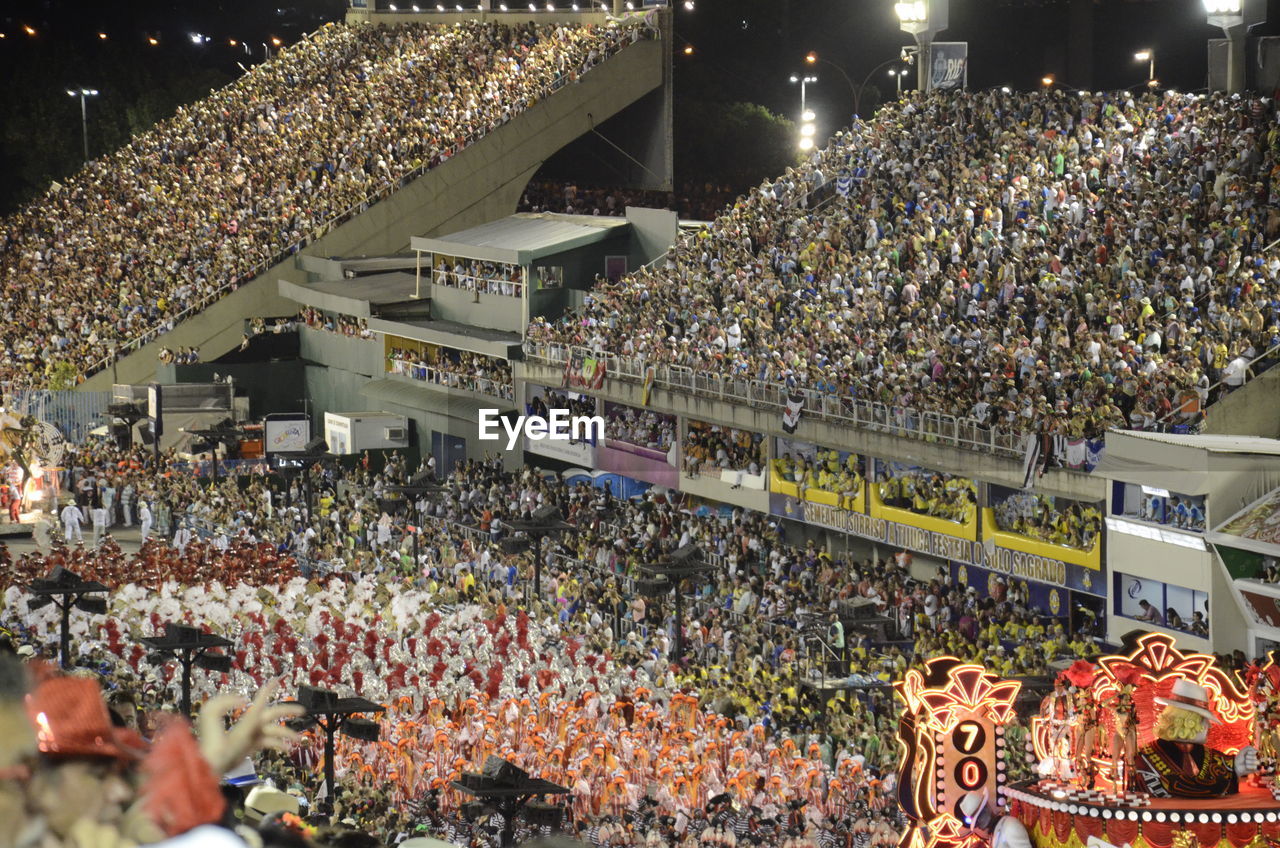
(948, 65)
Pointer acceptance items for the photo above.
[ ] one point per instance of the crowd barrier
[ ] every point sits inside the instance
(451, 379)
(872, 416)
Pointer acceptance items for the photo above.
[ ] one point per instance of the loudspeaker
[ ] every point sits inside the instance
(361, 728)
(546, 514)
(315, 446)
(653, 588)
(539, 814)
(183, 632)
(317, 700)
(688, 553)
(503, 771)
(215, 662)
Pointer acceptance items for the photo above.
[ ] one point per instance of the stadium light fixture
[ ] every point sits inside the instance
(808, 130)
(1234, 18)
(416, 9)
(152, 40)
(196, 38)
(688, 5)
(575, 7)
(102, 36)
(457, 7)
(688, 50)
(503, 7)
(83, 94)
(392, 7)
(1046, 80)
(1004, 89)
(912, 12)
(29, 30)
(806, 143)
(533, 7)
(439, 7)
(631, 7)
(1148, 56)
(808, 115)
(277, 42)
(923, 19)
(551, 7)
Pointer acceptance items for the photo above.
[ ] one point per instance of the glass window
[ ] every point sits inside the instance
(1162, 604)
(1160, 506)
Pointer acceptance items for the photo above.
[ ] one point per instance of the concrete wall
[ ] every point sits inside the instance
(480, 184)
(969, 463)
(495, 311)
(360, 356)
(1250, 411)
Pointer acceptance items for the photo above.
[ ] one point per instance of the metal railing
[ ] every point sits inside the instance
(472, 283)
(872, 416)
(451, 379)
(380, 192)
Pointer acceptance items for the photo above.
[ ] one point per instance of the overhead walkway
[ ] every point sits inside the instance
(480, 183)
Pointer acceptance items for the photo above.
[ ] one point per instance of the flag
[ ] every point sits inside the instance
(1030, 461)
(791, 415)
(647, 390)
(843, 184)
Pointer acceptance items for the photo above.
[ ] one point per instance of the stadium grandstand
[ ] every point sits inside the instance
(236, 183)
(985, 380)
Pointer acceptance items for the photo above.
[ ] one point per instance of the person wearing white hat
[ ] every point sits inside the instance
(1178, 764)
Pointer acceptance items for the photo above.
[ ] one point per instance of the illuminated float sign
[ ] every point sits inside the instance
(1015, 564)
(952, 740)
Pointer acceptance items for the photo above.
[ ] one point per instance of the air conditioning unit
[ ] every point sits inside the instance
(394, 434)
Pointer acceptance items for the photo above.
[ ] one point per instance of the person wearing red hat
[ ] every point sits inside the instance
(81, 757)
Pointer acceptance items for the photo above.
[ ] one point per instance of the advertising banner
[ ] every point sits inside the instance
(1019, 564)
(948, 65)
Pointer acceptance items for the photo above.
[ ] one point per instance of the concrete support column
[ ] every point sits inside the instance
(1237, 37)
(618, 8)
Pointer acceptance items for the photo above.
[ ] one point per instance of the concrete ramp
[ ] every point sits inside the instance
(479, 184)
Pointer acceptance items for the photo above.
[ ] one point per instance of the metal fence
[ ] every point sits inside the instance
(74, 413)
(873, 416)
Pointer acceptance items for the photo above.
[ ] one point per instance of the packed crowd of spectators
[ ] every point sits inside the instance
(932, 493)
(576, 404)
(232, 183)
(457, 369)
(743, 660)
(1043, 262)
(641, 427)
(346, 325)
(711, 448)
(1054, 520)
(693, 201)
(484, 277)
(823, 471)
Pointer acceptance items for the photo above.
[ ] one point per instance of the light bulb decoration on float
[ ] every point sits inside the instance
(1149, 748)
(953, 766)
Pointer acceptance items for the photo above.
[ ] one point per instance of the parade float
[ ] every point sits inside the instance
(1151, 748)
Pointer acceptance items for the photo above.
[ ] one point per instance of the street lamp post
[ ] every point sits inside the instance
(807, 127)
(1235, 17)
(923, 19)
(190, 646)
(897, 74)
(333, 715)
(804, 81)
(66, 590)
(84, 93)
